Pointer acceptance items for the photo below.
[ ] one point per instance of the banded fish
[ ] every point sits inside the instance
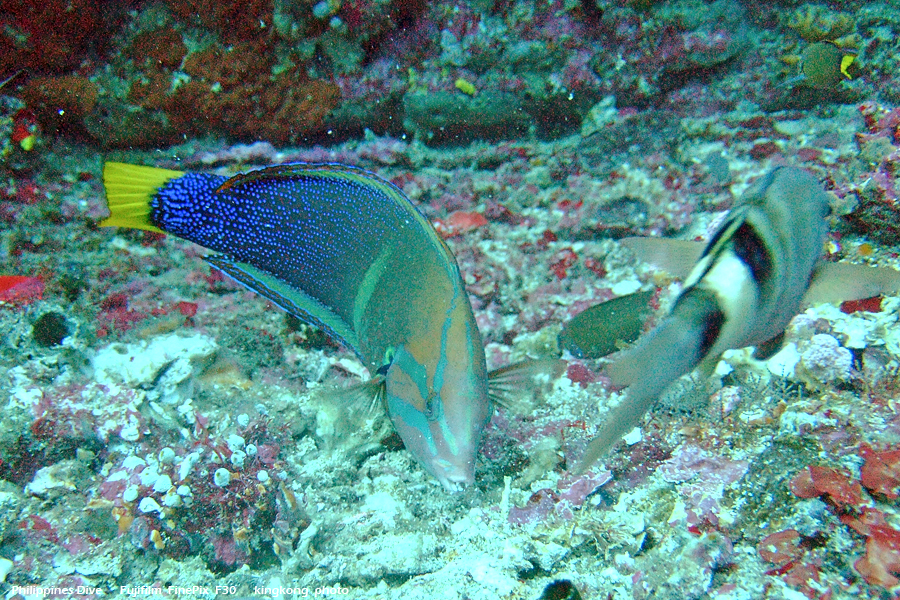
(346, 251)
(749, 281)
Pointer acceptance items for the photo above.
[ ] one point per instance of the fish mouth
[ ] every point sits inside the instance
(453, 478)
(454, 483)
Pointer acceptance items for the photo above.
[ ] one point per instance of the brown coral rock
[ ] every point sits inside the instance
(234, 21)
(231, 67)
(297, 108)
(161, 47)
(232, 92)
(60, 100)
(53, 34)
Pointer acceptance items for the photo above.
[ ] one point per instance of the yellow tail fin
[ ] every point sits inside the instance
(129, 189)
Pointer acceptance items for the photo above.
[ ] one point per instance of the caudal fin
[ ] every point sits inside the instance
(129, 189)
(677, 345)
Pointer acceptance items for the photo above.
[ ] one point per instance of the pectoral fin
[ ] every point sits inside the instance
(839, 282)
(368, 394)
(507, 386)
(676, 257)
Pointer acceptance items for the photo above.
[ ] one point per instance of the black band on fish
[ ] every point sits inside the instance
(750, 248)
(704, 308)
(714, 321)
(715, 243)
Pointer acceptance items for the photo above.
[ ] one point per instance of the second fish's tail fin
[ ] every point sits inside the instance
(675, 347)
(129, 190)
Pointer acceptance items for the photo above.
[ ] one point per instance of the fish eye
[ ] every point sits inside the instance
(388, 361)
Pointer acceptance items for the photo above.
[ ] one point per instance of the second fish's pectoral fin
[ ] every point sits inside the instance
(676, 257)
(288, 298)
(839, 282)
(512, 386)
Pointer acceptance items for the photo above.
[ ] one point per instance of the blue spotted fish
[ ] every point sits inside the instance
(347, 252)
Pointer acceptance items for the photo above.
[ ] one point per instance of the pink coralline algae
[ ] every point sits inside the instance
(835, 485)
(578, 372)
(571, 492)
(691, 462)
(780, 547)
(40, 528)
(879, 473)
(69, 413)
(704, 477)
(20, 290)
(541, 504)
(795, 561)
(116, 315)
(576, 488)
(227, 551)
(876, 189)
(881, 564)
(657, 55)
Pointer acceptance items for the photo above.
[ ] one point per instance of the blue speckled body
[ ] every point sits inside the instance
(347, 252)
